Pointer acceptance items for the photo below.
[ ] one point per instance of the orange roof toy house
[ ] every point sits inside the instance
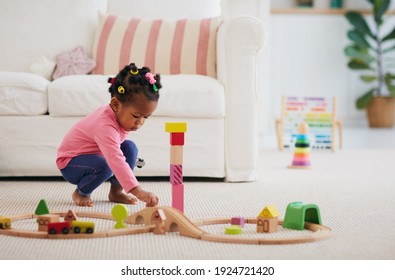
(267, 220)
(70, 216)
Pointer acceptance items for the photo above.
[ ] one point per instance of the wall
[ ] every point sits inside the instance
(308, 60)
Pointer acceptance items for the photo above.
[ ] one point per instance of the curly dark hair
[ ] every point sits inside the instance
(131, 81)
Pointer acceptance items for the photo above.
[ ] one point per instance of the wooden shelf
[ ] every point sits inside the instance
(312, 11)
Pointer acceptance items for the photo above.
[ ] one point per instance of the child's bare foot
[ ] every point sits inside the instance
(82, 200)
(149, 198)
(117, 195)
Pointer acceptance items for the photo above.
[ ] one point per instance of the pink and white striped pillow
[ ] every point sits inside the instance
(166, 46)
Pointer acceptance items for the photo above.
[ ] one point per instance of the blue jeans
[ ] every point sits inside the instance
(90, 171)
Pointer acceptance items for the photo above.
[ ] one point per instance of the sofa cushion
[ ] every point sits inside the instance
(31, 29)
(74, 62)
(22, 94)
(181, 96)
(166, 46)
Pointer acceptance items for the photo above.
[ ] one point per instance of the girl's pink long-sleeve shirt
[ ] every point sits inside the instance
(100, 134)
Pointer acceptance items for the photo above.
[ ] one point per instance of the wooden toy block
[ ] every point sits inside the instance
(120, 213)
(43, 220)
(268, 225)
(176, 127)
(175, 174)
(176, 155)
(177, 193)
(70, 216)
(298, 213)
(233, 229)
(42, 208)
(177, 138)
(237, 221)
(159, 219)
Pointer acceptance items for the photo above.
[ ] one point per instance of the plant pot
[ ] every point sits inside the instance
(381, 112)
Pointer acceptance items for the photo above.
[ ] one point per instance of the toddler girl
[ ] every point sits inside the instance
(95, 148)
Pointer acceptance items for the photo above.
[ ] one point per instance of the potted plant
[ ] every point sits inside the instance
(368, 53)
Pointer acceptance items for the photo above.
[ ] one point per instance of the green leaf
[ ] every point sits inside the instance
(390, 36)
(358, 38)
(365, 99)
(380, 7)
(389, 49)
(368, 78)
(356, 52)
(358, 65)
(357, 20)
(388, 81)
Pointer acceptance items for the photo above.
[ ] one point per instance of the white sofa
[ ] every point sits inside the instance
(35, 113)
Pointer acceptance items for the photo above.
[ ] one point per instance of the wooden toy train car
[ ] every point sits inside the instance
(74, 227)
(5, 223)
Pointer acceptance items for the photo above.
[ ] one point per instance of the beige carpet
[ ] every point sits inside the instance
(354, 189)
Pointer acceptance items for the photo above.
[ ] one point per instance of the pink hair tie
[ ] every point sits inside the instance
(150, 78)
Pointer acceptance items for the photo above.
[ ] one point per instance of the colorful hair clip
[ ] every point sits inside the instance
(150, 78)
(121, 90)
(134, 72)
(154, 87)
(111, 80)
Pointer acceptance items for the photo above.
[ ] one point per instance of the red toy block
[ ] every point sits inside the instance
(175, 174)
(177, 193)
(177, 138)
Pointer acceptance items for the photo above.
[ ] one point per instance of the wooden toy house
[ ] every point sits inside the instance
(267, 220)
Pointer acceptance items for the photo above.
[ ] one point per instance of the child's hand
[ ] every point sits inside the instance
(149, 198)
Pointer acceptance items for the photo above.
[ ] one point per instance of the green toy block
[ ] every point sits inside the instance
(42, 208)
(298, 213)
(233, 229)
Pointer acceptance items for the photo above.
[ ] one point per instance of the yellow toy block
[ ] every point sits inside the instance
(269, 212)
(176, 127)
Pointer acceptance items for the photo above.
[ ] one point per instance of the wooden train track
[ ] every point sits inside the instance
(175, 221)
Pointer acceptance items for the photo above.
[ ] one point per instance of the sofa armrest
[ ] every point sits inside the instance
(238, 44)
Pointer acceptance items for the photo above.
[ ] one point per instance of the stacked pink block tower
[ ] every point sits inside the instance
(177, 131)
